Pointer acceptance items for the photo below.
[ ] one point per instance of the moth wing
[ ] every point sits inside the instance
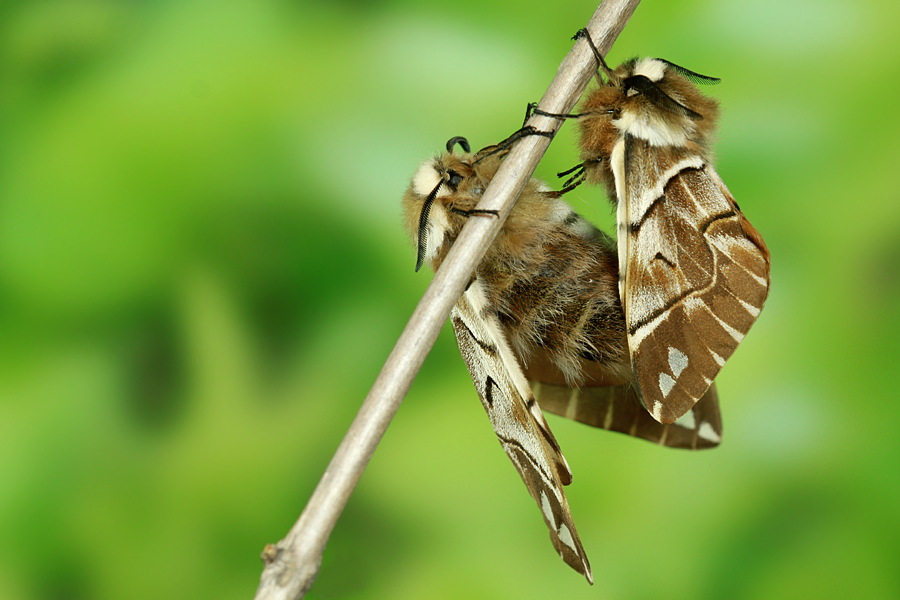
(695, 274)
(607, 401)
(618, 408)
(525, 438)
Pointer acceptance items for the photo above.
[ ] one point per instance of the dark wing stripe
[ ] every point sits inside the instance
(489, 386)
(636, 227)
(715, 218)
(491, 350)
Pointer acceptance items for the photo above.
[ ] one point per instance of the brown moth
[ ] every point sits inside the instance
(542, 307)
(694, 273)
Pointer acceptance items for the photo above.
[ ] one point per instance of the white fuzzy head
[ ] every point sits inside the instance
(426, 179)
(651, 68)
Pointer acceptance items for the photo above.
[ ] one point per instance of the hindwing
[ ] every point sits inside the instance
(517, 420)
(618, 408)
(603, 400)
(694, 274)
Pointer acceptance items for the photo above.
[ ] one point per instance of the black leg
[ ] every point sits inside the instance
(583, 34)
(578, 172)
(515, 137)
(474, 212)
(534, 110)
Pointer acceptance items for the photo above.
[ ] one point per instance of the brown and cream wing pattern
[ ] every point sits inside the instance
(517, 420)
(694, 277)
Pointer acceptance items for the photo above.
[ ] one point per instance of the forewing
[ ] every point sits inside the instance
(618, 408)
(528, 442)
(695, 277)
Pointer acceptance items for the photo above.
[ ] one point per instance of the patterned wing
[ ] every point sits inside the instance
(518, 423)
(618, 408)
(695, 274)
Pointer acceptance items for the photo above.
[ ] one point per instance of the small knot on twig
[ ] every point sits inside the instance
(269, 554)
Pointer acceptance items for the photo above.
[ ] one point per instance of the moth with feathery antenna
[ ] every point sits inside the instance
(693, 271)
(541, 307)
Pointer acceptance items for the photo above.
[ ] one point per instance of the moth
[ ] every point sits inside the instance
(693, 271)
(540, 325)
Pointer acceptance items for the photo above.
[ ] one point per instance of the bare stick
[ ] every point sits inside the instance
(292, 564)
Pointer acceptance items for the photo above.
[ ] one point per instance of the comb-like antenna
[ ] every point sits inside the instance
(423, 223)
(694, 77)
(654, 94)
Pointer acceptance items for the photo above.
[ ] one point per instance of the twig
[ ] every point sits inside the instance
(291, 565)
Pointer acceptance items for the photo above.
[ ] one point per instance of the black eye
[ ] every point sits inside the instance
(455, 178)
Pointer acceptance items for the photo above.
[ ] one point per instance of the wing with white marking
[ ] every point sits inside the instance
(618, 408)
(695, 274)
(519, 424)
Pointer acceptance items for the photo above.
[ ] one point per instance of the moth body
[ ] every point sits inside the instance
(550, 276)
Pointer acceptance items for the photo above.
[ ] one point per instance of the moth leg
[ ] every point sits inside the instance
(577, 169)
(528, 111)
(515, 137)
(474, 212)
(580, 173)
(584, 34)
(534, 110)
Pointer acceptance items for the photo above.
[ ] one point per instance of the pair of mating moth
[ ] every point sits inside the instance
(625, 335)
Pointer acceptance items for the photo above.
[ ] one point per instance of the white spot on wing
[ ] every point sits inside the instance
(719, 360)
(548, 510)
(708, 433)
(678, 361)
(750, 308)
(737, 335)
(687, 420)
(665, 384)
(762, 280)
(565, 536)
(656, 412)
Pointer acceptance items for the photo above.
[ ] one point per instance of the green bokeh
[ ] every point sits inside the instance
(202, 270)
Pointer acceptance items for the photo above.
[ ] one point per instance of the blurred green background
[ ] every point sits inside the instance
(202, 270)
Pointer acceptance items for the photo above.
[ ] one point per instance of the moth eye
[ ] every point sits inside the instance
(455, 178)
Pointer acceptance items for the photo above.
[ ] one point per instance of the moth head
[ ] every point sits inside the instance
(453, 179)
(651, 99)
(661, 103)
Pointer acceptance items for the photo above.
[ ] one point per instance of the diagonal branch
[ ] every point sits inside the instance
(292, 564)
